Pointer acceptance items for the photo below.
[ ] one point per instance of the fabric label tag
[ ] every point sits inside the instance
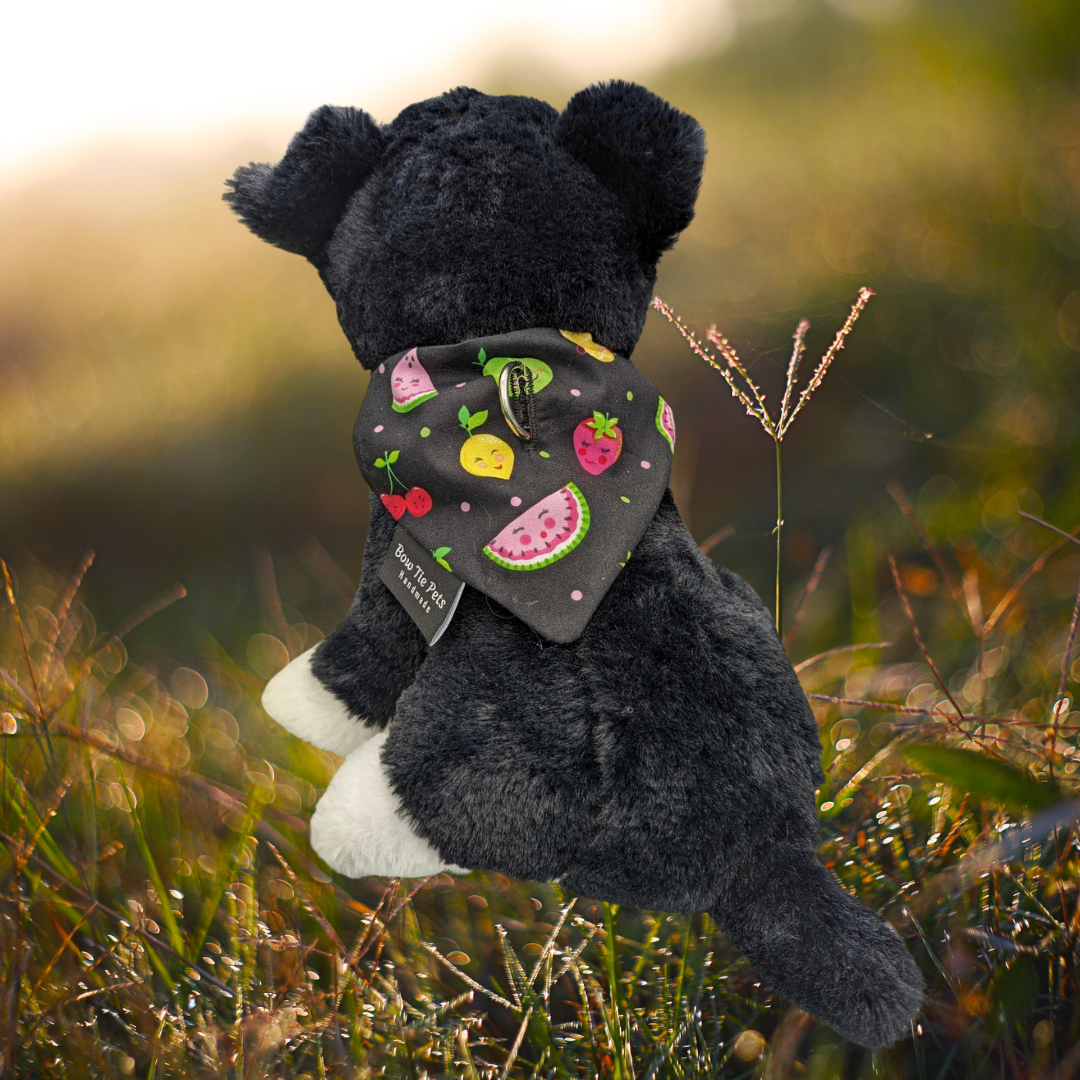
(427, 591)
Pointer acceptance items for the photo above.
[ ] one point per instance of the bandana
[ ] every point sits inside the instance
(529, 464)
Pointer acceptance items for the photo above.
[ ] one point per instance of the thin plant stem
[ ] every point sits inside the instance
(827, 359)
(797, 351)
(754, 401)
(779, 527)
(692, 341)
(727, 351)
(1052, 528)
(710, 542)
(803, 664)
(808, 592)
(954, 585)
(1006, 601)
(1060, 702)
(916, 633)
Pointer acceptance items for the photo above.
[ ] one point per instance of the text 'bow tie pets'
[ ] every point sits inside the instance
(604, 706)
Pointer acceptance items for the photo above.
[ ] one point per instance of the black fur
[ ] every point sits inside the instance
(668, 758)
(644, 152)
(375, 653)
(297, 204)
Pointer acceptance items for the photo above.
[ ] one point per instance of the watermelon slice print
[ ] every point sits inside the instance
(545, 533)
(410, 384)
(665, 423)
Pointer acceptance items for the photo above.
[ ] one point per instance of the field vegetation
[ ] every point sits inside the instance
(178, 397)
(162, 914)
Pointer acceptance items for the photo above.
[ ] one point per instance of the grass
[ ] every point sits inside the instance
(160, 911)
(162, 915)
(750, 395)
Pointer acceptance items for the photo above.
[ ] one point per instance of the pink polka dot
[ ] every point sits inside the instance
(575, 393)
(465, 508)
(646, 465)
(525, 538)
(459, 385)
(576, 594)
(515, 501)
(378, 429)
(382, 369)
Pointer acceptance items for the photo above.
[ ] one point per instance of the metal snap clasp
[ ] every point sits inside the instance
(504, 399)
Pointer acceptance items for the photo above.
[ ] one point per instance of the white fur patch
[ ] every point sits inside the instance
(359, 828)
(296, 699)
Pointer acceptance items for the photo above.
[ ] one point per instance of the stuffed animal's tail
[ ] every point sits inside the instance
(822, 950)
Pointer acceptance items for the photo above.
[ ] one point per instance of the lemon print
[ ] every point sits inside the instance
(593, 348)
(541, 372)
(483, 455)
(487, 455)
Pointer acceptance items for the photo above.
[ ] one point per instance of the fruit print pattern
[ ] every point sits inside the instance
(410, 383)
(433, 444)
(539, 369)
(484, 454)
(545, 533)
(665, 423)
(416, 500)
(585, 343)
(598, 443)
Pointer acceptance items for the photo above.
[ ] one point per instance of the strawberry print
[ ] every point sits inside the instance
(598, 443)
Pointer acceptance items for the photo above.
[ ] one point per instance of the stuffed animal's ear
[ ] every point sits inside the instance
(297, 203)
(644, 150)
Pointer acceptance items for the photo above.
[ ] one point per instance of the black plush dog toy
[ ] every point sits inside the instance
(662, 756)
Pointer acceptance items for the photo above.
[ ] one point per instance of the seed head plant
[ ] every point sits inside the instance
(776, 427)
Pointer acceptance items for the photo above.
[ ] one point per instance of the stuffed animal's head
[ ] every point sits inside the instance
(471, 215)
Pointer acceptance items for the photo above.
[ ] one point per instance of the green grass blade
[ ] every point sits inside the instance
(226, 871)
(25, 811)
(985, 777)
(172, 927)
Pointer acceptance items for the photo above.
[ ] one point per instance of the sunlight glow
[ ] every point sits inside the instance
(82, 72)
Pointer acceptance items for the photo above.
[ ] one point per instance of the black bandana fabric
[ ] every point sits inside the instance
(542, 525)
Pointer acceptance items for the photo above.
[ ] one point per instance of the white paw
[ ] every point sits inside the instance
(359, 828)
(296, 699)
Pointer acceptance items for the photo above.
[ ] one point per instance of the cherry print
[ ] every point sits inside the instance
(418, 502)
(395, 504)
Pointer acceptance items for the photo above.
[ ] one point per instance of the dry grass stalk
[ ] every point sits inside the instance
(811, 587)
(752, 409)
(753, 398)
(824, 363)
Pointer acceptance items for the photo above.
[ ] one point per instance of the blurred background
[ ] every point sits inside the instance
(177, 395)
